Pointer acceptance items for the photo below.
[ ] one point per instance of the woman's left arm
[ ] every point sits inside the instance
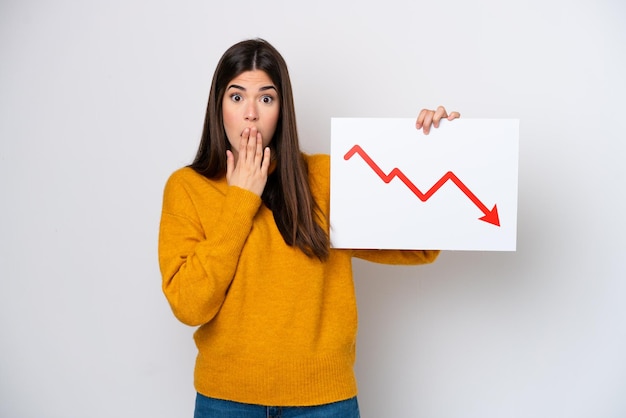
(397, 257)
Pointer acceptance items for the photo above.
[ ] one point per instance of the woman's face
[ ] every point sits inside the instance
(250, 100)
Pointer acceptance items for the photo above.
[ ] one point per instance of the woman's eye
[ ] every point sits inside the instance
(236, 97)
(267, 99)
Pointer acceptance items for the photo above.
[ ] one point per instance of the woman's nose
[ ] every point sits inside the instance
(251, 112)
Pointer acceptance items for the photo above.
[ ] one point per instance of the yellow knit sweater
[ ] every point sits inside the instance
(276, 327)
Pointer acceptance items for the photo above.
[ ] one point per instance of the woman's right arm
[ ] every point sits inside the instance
(198, 265)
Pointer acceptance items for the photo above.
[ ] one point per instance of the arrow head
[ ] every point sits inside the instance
(492, 216)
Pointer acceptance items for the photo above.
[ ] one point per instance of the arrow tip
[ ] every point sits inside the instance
(492, 216)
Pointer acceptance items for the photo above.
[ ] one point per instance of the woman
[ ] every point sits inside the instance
(245, 254)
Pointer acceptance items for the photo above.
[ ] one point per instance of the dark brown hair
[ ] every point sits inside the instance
(287, 192)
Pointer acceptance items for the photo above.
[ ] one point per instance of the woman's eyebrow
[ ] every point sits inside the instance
(238, 87)
(235, 86)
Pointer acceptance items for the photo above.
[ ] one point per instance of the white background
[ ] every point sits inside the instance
(101, 100)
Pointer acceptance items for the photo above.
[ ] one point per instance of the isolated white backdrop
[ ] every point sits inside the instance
(101, 100)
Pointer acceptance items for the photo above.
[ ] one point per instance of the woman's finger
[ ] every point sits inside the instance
(428, 120)
(454, 115)
(439, 114)
(258, 155)
(265, 164)
(420, 118)
(251, 146)
(243, 144)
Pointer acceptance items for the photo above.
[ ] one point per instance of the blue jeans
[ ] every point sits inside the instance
(213, 408)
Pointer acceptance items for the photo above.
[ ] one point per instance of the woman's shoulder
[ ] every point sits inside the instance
(183, 172)
(188, 178)
(181, 176)
(319, 174)
(319, 164)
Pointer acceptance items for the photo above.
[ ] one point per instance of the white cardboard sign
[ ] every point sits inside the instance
(392, 187)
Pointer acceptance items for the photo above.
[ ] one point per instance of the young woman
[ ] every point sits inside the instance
(245, 254)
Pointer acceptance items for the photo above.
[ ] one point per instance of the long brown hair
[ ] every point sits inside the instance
(287, 192)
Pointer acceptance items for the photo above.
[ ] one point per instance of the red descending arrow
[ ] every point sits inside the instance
(491, 216)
